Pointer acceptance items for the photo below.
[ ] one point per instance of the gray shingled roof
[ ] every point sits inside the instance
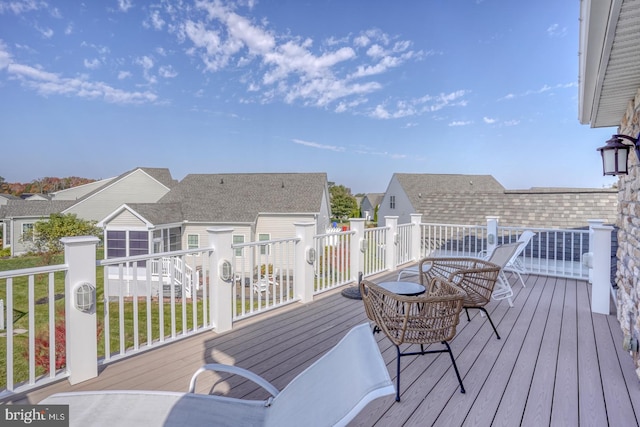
(552, 207)
(415, 184)
(159, 213)
(34, 208)
(240, 197)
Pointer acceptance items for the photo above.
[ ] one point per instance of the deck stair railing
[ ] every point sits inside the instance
(179, 274)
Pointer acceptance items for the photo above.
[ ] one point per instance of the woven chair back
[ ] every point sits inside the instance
(476, 277)
(424, 319)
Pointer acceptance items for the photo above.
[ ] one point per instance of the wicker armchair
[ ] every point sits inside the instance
(474, 276)
(424, 319)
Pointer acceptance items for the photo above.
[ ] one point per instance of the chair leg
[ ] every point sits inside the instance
(467, 311)
(490, 321)
(398, 373)
(455, 367)
(486, 313)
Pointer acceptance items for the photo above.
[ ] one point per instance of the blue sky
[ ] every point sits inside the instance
(358, 89)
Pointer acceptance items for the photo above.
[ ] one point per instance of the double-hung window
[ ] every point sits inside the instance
(193, 241)
(264, 249)
(238, 238)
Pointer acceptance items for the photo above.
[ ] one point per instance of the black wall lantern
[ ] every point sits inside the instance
(615, 154)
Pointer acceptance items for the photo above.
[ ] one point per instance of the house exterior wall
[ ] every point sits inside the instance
(125, 220)
(18, 247)
(324, 216)
(628, 271)
(137, 187)
(403, 208)
(74, 193)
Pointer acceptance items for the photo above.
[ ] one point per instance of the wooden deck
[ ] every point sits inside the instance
(556, 364)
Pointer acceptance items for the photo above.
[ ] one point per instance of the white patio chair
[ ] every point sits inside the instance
(515, 265)
(332, 391)
(501, 256)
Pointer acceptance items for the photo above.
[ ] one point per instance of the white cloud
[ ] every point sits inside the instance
(460, 123)
(92, 64)
(123, 75)
(124, 5)
(545, 88)
(320, 146)
(48, 84)
(512, 122)
(18, 7)
(489, 120)
(167, 72)
(47, 33)
(556, 30)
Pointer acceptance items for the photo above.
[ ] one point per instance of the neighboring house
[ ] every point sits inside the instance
(257, 206)
(4, 198)
(19, 216)
(369, 203)
(78, 192)
(609, 95)
(90, 202)
(469, 199)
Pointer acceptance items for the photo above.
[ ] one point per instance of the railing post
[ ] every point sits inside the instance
(221, 292)
(601, 287)
(391, 242)
(592, 223)
(81, 332)
(492, 233)
(356, 256)
(304, 283)
(416, 236)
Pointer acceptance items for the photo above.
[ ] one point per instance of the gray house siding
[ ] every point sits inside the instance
(80, 191)
(402, 207)
(137, 187)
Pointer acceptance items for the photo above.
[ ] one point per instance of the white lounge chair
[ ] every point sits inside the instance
(515, 264)
(501, 256)
(332, 391)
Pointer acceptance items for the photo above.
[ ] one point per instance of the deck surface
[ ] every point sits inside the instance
(556, 364)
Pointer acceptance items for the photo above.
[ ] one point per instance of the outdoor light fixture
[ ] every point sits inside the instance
(615, 154)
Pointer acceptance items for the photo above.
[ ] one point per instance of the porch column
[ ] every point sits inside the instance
(80, 307)
(391, 242)
(221, 291)
(306, 259)
(356, 256)
(592, 223)
(492, 233)
(416, 236)
(601, 286)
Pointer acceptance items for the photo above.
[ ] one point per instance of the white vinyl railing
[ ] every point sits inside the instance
(332, 267)
(404, 242)
(264, 276)
(552, 252)
(452, 240)
(374, 246)
(143, 309)
(31, 293)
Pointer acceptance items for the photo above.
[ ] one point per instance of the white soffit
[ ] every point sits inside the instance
(609, 59)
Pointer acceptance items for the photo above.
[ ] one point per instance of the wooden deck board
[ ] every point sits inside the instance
(556, 364)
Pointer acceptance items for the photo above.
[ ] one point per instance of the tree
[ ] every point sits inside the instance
(343, 204)
(46, 234)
